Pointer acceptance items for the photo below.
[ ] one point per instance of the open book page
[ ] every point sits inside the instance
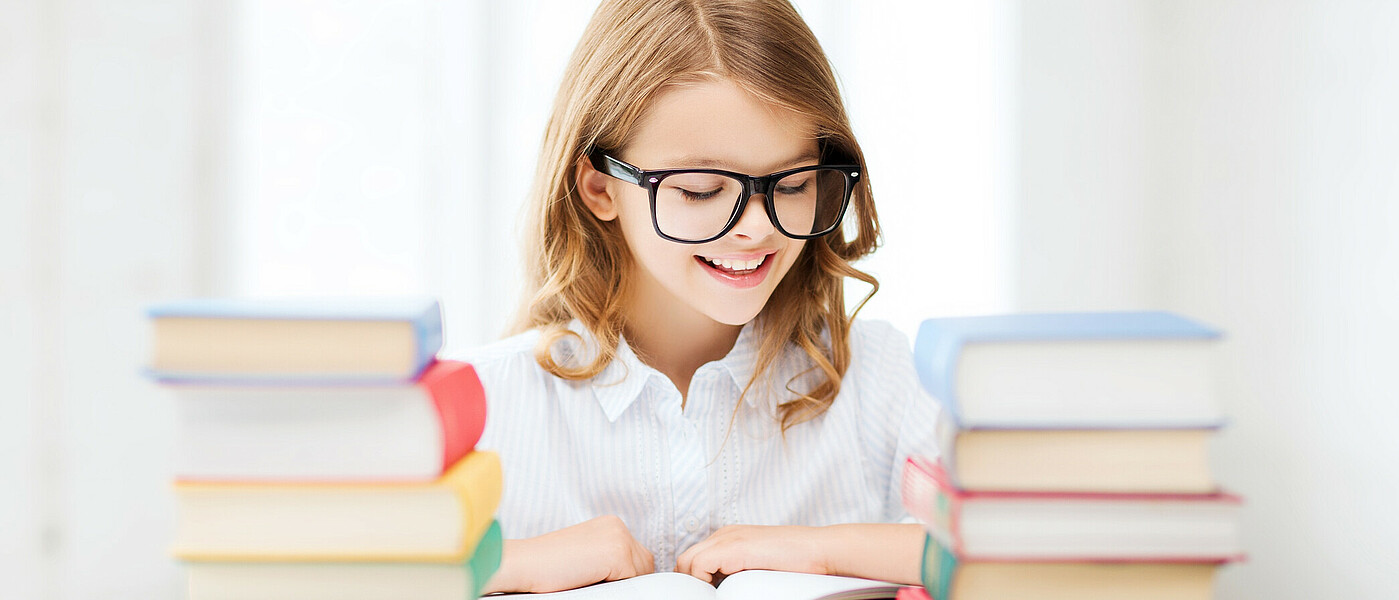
(746, 585)
(671, 586)
(780, 585)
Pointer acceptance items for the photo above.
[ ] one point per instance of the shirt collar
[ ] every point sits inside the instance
(742, 361)
(619, 384)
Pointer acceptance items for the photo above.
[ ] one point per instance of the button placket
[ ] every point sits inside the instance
(687, 474)
(690, 478)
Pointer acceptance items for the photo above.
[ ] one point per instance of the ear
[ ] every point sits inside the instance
(592, 186)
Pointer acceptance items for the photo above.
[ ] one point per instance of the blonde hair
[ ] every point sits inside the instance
(580, 267)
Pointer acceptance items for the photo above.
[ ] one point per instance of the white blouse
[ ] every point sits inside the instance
(620, 444)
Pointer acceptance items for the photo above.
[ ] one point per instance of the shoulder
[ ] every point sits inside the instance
(876, 329)
(898, 411)
(519, 392)
(878, 344)
(504, 350)
(509, 361)
(881, 370)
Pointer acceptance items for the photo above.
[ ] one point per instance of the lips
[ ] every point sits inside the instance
(737, 265)
(740, 272)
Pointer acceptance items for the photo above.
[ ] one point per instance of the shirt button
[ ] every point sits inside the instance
(692, 524)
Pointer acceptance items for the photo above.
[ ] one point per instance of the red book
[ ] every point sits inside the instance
(330, 433)
(1071, 527)
(912, 593)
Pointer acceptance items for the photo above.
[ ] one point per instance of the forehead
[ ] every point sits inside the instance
(715, 123)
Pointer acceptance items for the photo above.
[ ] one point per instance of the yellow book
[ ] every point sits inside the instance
(1150, 461)
(440, 521)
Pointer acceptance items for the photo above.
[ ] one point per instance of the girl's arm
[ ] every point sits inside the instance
(600, 549)
(885, 551)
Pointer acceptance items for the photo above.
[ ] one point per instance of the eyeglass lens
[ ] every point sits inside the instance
(696, 206)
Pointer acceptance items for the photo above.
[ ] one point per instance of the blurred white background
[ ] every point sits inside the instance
(1233, 160)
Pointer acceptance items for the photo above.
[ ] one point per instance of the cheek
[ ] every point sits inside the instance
(664, 260)
(634, 214)
(634, 219)
(793, 253)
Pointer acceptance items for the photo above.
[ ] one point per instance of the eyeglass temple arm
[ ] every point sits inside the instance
(616, 168)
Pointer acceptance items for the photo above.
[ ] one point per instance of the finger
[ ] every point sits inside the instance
(683, 563)
(622, 561)
(700, 574)
(708, 563)
(642, 559)
(717, 538)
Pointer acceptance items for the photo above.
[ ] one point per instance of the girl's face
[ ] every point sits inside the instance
(710, 124)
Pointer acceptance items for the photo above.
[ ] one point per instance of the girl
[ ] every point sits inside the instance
(687, 391)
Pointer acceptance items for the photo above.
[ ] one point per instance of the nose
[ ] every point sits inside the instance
(754, 223)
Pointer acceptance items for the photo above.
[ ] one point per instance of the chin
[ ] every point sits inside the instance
(734, 317)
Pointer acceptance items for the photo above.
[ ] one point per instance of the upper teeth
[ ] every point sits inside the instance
(737, 265)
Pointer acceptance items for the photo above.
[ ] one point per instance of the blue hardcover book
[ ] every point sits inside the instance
(293, 341)
(1123, 370)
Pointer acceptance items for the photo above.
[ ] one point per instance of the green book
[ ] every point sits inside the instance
(948, 577)
(348, 580)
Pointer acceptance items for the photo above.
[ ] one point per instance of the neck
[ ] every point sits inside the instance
(678, 344)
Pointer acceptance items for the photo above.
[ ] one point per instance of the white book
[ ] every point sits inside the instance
(744, 585)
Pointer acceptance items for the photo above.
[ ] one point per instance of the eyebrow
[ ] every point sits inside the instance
(685, 162)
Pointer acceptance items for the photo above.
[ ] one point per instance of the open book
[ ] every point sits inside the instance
(744, 585)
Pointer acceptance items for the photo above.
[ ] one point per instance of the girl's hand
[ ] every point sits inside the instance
(884, 551)
(600, 549)
(737, 548)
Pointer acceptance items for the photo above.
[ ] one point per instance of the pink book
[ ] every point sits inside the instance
(912, 593)
(1011, 526)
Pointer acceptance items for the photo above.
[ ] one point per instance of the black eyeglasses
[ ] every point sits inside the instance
(694, 206)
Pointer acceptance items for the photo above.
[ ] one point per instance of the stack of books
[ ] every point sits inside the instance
(1074, 458)
(324, 451)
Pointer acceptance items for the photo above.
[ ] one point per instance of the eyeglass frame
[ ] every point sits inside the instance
(650, 181)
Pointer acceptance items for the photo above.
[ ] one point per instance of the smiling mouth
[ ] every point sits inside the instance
(734, 266)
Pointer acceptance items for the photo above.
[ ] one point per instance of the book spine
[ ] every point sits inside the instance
(950, 518)
(912, 593)
(428, 330)
(927, 499)
(918, 491)
(486, 559)
(460, 400)
(939, 569)
(947, 434)
(476, 481)
(936, 352)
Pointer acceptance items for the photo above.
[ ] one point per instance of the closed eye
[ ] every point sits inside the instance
(699, 196)
(794, 189)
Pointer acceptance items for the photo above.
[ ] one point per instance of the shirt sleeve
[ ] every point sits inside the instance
(907, 412)
(515, 394)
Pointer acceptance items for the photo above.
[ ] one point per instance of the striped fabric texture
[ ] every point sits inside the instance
(620, 444)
